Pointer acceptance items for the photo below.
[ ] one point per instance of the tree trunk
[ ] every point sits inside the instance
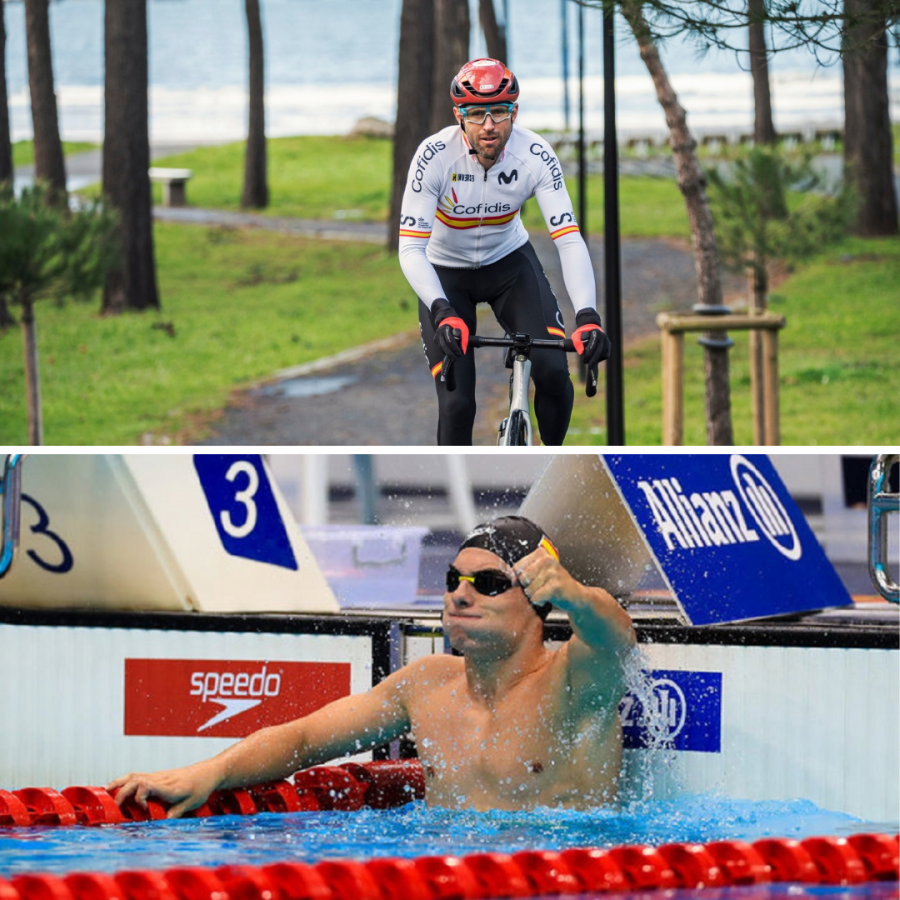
(32, 374)
(413, 99)
(763, 127)
(451, 52)
(494, 35)
(256, 188)
(126, 157)
(692, 184)
(48, 155)
(6, 163)
(868, 151)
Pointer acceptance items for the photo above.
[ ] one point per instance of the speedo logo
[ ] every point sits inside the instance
(548, 158)
(422, 160)
(235, 692)
(724, 516)
(225, 698)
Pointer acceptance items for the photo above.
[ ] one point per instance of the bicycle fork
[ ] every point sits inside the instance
(519, 418)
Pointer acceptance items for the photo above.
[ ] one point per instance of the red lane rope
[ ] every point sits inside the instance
(382, 785)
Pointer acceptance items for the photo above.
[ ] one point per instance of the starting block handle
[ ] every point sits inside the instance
(11, 489)
(880, 503)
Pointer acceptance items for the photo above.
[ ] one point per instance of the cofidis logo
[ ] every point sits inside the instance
(225, 698)
(744, 512)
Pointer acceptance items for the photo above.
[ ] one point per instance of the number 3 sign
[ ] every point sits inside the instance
(243, 507)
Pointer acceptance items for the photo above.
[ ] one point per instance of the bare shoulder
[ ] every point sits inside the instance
(430, 673)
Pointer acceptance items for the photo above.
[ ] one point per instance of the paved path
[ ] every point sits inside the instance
(384, 395)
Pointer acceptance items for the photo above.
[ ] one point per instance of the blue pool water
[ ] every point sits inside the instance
(410, 831)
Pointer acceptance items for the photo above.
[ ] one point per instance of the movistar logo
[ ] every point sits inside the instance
(503, 178)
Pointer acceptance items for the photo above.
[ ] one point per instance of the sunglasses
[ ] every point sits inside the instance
(477, 114)
(489, 583)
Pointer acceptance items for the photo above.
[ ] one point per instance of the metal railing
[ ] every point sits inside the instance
(11, 491)
(880, 503)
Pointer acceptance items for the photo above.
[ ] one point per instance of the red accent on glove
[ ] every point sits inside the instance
(578, 339)
(455, 322)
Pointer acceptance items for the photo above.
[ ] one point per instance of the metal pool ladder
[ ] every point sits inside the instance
(11, 491)
(880, 503)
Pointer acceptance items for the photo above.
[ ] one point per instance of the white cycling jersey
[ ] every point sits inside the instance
(455, 213)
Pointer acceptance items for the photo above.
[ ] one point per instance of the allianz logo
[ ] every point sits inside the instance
(235, 692)
(737, 514)
(667, 709)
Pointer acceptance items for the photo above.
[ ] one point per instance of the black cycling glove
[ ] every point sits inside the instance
(446, 321)
(589, 338)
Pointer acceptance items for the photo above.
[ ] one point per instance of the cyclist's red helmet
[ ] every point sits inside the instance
(484, 81)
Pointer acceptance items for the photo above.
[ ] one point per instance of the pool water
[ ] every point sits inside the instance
(410, 831)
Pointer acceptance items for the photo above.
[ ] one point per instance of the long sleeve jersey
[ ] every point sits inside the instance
(457, 214)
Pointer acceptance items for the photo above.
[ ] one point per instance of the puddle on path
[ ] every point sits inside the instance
(308, 387)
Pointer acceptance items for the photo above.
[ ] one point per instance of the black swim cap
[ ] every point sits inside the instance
(510, 537)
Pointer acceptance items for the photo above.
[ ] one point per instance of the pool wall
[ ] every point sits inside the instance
(763, 713)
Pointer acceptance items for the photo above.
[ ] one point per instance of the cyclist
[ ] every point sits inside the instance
(462, 242)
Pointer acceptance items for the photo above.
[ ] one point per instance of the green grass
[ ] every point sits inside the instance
(238, 305)
(314, 177)
(23, 151)
(309, 177)
(648, 207)
(840, 380)
(241, 305)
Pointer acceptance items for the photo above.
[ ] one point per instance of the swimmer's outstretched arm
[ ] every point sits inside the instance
(603, 632)
(349, 725)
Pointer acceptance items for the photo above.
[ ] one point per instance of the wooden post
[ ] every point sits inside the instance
(757, 389)
(770, 386)
(673, 327)
(673, 390)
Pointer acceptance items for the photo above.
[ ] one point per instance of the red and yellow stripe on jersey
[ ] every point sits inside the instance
(556, 332)
(568, 229)
(475, 221)
(405, 232)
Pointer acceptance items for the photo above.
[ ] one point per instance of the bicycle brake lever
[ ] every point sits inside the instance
(448, 376)
(590, 388)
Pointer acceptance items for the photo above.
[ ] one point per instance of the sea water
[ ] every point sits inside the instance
(330, 64)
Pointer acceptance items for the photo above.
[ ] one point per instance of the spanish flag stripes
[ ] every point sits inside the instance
(561, 231)
(475, 221)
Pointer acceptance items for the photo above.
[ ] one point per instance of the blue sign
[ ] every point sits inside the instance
(244, 508)
(679, 710)
(727, 536)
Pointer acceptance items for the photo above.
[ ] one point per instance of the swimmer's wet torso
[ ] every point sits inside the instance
(529, 748)
(507, 724)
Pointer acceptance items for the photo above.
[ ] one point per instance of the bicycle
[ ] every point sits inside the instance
(515, 429)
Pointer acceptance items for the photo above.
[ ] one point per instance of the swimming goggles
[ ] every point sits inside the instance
(500, 112)
(487, 582)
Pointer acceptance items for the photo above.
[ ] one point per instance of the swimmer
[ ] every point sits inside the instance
(509, 723)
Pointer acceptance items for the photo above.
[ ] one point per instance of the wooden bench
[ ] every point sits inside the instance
(174, 184)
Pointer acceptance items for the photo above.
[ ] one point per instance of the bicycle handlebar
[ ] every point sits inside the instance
(448, 377)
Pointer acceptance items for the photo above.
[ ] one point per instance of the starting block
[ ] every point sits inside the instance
(205, 532)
